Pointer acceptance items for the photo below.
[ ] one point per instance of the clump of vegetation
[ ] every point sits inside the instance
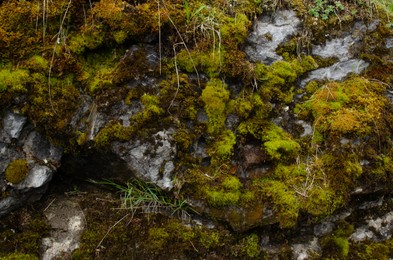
(353, 106)
(138, 195)
(223, 147)
(17, 171)
(279, 143)
(248, 247)
(215, 96)
(228, 193)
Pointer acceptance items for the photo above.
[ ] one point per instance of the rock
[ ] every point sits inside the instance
(21, 141)
(268, 33)
(338, 48)
(337, 71)
(67, 222)
(376, 229)
(150, 161)
(389, 43)
(36, 147)
(323, 228)
(307, 128)
(38, 176)
(306, 250)
(12, 126)
(252, 155)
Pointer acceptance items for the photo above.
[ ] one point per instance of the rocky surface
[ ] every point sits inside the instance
(268, 33)
(67, 222)
(20, 141)
(276, 166)
(151, 161)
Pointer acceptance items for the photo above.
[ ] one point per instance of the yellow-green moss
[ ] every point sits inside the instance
(279, 143)
(114, 131)
(223, 147)
(17, 171)
(284, 202)
(353, 106)
(215, 96)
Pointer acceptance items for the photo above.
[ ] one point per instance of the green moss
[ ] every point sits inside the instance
(151, 110)
(215, 96)
(114, 131)
(223, 148)
(13, 81)
(226, 194)
(209, 62)
(221, 198)
(158, 237)
(278, 80)
(279, 143)
(17, 171)
(235, 29)
(284, 202)
(22, 235)
(247, 247)
(102, 79)
(88, 40)
(353, 106)
(19, 256)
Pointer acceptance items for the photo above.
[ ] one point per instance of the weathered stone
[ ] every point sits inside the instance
(150, 161)
(12, 126)
(268, 33)
(67, 222)
(337, 71)
(38, 176)
(43, 158)
(252, 155)
(338, 48)
(307, 250)
(38, 147)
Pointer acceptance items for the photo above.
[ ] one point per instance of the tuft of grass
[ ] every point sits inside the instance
(147, 198)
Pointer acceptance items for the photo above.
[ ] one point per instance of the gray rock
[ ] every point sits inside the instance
(376, 229)
(338, 48)
(38, 176)
(150, 161)
(37, 147)
(307, 128)
(337, 71)
(306, 250)
(323, 228)
(12, 126)
(7, 204)
(268, 33)
(42, 156)
(67, 222)
(389, 43)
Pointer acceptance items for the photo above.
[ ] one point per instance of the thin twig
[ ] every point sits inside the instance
(109, 230)
(178, 78)
(47, 207)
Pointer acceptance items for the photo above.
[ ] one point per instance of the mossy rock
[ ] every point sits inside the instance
(17, 171)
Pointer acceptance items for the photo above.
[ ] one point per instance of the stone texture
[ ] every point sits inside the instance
(150, 161)
(20, 141)
(269, 32)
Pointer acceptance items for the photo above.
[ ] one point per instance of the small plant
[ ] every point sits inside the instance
(143, 196)
(325, 8)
